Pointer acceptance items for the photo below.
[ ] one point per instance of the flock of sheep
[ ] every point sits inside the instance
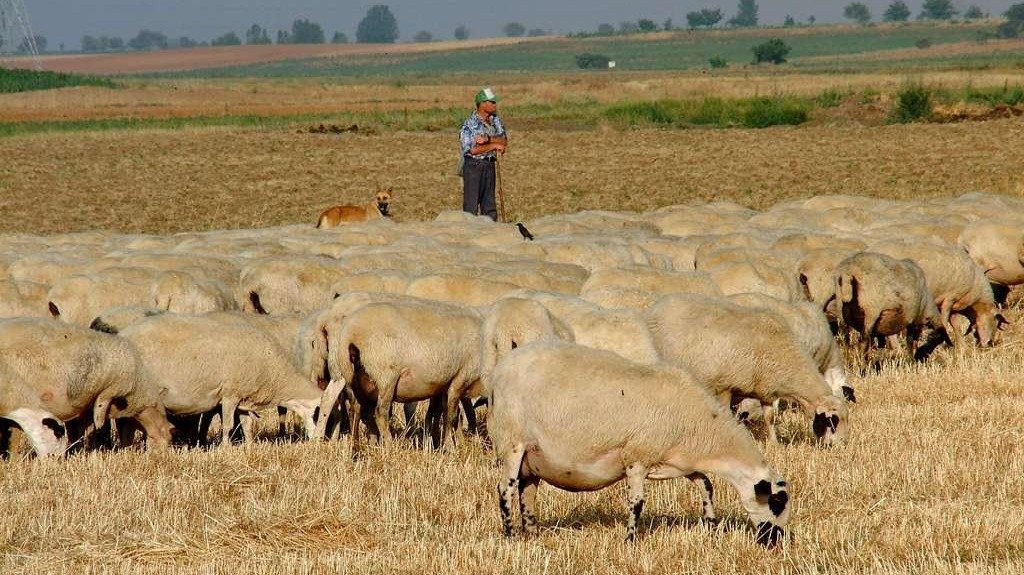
(616, 345)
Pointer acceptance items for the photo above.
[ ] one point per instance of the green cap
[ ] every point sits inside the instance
(485, 95)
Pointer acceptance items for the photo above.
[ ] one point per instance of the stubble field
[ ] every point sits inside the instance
(932, 480)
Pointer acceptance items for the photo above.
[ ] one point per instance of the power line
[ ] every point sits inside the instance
(15, 26)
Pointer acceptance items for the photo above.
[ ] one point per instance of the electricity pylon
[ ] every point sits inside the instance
(16, 31)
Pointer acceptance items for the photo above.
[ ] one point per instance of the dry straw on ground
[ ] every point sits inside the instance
(170, 181)
(931, 481)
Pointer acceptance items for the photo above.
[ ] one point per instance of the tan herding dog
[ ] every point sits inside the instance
(338, 215)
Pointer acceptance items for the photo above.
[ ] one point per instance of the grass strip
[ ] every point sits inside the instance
(16, 80)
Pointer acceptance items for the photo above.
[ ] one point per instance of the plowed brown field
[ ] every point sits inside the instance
(223, 56)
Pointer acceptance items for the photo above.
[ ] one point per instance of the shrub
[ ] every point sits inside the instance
(27, 80)
(662, 112)
(711, 112)
(913, 103)
(718, 62)
(1009, 29)
(765, 112)
(830, 98)
(923, 43)
(1009, 95)
(774, 51)
(592, 61)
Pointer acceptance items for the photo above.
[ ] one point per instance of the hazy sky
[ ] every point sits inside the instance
(67, 20)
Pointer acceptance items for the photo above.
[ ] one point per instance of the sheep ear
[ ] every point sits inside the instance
(762, 488)
(54, 310)
(849, 394)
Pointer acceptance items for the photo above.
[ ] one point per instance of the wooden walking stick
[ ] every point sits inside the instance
(501, 192)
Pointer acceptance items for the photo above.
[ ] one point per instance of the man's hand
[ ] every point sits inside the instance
(500, 148)
(482, 139)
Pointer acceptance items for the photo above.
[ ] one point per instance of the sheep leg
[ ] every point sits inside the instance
(768, 413)
(635, 475)
(509, 484)
(330, 398)
(432, 424)
(382, 411)
(281, 422)
(247, 422)
(450, 421)
(470, 411)
(946, 311)
(528, 504)
(707, 493)
(866, 338)
(227, 420)
(5, 439)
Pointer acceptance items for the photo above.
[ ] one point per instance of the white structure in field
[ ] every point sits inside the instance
(16, 31)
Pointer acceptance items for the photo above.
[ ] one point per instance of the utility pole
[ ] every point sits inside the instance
(15, 30)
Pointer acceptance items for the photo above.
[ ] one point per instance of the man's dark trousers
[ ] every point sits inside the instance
(478, 188)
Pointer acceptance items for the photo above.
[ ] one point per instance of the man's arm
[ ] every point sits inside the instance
(494, 145)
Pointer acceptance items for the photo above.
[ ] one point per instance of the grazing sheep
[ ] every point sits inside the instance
(13, 304)
(80, 298)
(19, 404)
(737, 351)
(288, 285)
(513, 322)
(880, 296)
(649, 279)
(74, 371)
(956, 283)
(642, 422)
(998, 247)
(805, 242)
(757, 277)
(180, 292)
(816, 274)
(405, 351)
(619, 330)
(219, 358)
(459, 289)
(812, 331)
(115, 319)
(389, 281)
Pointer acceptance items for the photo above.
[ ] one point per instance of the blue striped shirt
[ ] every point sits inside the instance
(474, 127)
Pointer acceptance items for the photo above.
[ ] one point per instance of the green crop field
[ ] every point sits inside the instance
(812, 48)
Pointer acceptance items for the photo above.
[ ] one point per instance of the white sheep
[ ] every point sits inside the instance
(649, 279)
(19, 404)
(181, 292)
(998, 247)
(75, 371)
(459, 289)
(956, 283)
(79, 299)
(642, 422)
(286, 285)
(513, 322)
(405, 351)
(880, 296)
(742, 352)
(619, 330)
(220, 358)
(812, 331)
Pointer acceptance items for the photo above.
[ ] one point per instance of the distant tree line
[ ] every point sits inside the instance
(380, 26)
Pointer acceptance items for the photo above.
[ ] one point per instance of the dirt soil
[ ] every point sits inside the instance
(223, 56)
